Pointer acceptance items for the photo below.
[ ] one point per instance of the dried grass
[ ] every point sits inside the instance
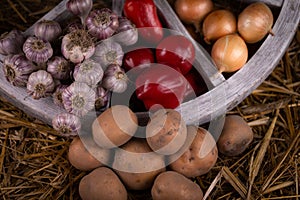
(33, 162)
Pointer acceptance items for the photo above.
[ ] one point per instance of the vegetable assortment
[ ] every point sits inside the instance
(228, 33)
(91, 63)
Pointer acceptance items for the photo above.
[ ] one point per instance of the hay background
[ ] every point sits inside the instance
(33, 163)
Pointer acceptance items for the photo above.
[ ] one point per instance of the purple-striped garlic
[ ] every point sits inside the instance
(47, 30)
(108, 52)
(57, 94)
(59, 68)
(37, 50)
(127, 33)
(78, 98)
(102, 23)
(115, 79)
(89, 72)
(67, 124)
(11, 42)
(77, 46)
(40, 84)
(80, 8)
(102, 97)
(17, 69)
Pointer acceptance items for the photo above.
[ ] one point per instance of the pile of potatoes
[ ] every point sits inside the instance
(162, 157)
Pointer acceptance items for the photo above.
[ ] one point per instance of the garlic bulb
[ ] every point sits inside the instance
(73, 26)
(77, 46)
(47, 30)
(40, 84)
(102, 97)
(11, 42)
(115, 79)
(108, 52)
(89, 72)
(57, 99)
(66, 124)
(126, 34)
(102, 23)
(80, 8)
(59, 68)
(78, 98)
(37, 50)
(17, 69)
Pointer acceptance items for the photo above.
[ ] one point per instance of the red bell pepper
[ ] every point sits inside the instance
(160, 85)
(143, 13)
(176, 51)
(197, 85)
(137, 57)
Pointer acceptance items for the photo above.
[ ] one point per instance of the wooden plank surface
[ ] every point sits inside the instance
(202, 109)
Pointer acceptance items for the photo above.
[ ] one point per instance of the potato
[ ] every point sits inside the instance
(87, 159)
(171, 185)
(198, 157)
(114, 127)
(235, 137)
(137, 165)
(102, 184)
(166, 131)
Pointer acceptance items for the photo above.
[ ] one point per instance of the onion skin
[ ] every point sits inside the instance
(217, 24)
(254, 22)
(229, 53)
(193, 11)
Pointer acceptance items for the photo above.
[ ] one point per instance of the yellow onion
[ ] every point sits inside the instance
(217, 24)
(193, 11)
(255, 21)
(229, 53)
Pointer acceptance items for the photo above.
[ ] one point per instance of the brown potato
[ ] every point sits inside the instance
(137, 165)
(197, 158)
(166, 131)
(114, 127)
(87, 159)
(171, 185)
(102, 184)
(235, 137)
